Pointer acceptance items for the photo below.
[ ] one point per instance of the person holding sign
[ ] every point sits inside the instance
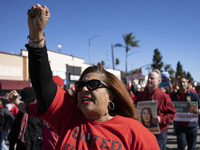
(101, 114)
(197, 88)
(186, 132)
(165, 109)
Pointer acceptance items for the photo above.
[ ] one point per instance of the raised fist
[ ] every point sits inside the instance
(13, 95)
(38, 17)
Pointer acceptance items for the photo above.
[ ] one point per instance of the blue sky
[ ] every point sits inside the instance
(172, 26)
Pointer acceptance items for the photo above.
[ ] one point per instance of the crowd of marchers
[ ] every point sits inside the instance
(182, 91)
(99, 113)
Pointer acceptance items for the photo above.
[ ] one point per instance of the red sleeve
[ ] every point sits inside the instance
(63, 106)
(138, 98)
(169, 110)
(14, 111)
(32, 109)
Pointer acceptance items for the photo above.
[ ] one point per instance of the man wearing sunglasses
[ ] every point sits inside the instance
(99, 116)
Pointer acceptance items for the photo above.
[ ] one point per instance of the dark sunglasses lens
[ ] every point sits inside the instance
(93, 84)
(79, 85)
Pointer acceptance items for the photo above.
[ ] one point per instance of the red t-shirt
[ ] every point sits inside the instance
(193, 90)
(49, 136)
(181, 96)
(12, 108)
(72, 127)
(168, 93)
(133, 97)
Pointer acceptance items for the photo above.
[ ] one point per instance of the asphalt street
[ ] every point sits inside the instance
(171, 139)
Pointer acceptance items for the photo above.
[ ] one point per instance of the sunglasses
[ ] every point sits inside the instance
(91, 85)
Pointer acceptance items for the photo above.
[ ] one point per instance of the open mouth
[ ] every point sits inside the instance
(86, 100)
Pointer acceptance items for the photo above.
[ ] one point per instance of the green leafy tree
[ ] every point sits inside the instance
(129, 42)
(117, 62)
(167, 67)
(189, 77)
(102, 63)
(184, 73)
(179, 70)
(157, 60)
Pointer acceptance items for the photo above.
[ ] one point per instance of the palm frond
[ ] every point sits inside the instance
(118, 44)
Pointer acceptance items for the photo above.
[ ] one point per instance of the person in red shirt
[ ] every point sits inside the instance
(131, 95)
(190, 87)
(99, 116)
(11, 107)
(165, 108)
(197, 88)
(49, 136)
(186, 132)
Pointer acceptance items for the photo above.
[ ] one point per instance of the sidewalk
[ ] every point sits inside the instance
(171, 140)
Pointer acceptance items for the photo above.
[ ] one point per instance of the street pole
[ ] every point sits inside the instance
(126, 62)
(90, 45)
(129, 55)
(113, 57)
(90, 51)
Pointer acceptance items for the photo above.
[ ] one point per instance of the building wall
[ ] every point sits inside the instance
(59, 61)
(11, 67)
(15, 67)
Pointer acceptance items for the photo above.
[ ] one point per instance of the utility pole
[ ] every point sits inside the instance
(113, 61)
(90, 46)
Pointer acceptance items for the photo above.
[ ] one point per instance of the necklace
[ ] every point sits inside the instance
(88, 134)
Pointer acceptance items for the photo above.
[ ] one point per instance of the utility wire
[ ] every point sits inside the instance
(57, 29)
(16, 5)
(73, 23)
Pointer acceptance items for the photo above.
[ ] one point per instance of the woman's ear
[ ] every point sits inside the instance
(111, 97)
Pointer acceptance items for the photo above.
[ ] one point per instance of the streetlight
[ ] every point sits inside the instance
(120, 45)
(129, 55)
(148, 68)
(90, 45)
(59, 47)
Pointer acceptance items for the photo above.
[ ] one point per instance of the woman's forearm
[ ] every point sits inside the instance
(20, 105)
(41, 77)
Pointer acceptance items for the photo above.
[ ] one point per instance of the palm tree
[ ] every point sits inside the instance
(102, 63)
(129, 41)
(117, 61)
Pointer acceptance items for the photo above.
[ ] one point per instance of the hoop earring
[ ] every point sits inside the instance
(78, 106)
(113, 105)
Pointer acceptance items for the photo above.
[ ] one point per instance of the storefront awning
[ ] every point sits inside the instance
(13, 84)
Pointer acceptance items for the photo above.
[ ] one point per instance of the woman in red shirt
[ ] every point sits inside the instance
(99, 116)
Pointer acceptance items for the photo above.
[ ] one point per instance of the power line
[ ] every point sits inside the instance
(17, 5)
(98, 51)
(72, 22)
(66, 33)
(67, 18)
(46, 37)
(13, 24)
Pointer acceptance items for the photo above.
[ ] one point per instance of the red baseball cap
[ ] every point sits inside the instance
(58, 80)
